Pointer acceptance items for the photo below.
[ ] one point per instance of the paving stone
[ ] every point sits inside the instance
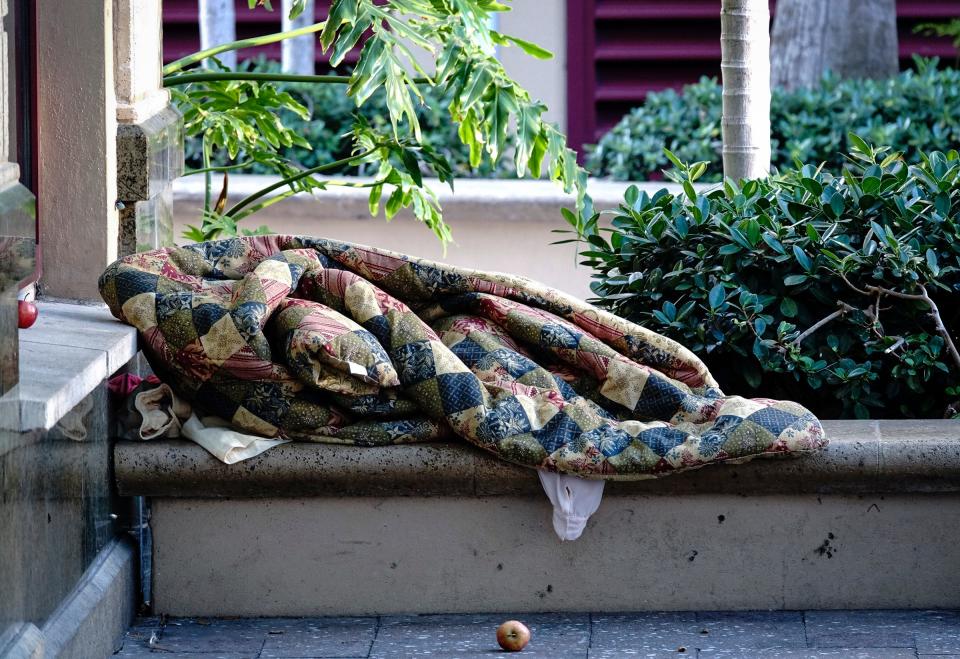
(881, 628)
(645, 632)
(812, 653)
(558, 635)
(319, 637)
(143, 653)
(644, 654)
(704, 631)
(750, 630)
(215, 635)
(944, 641)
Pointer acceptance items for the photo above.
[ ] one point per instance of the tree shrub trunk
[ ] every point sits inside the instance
(298, 53)
(218, 25)
(851, 38)
(745, 66)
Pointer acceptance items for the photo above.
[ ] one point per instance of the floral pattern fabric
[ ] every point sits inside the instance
(320, 340)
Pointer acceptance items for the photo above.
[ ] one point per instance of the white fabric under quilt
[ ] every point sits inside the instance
(574, 500)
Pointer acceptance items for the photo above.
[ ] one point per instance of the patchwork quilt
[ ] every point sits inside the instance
(320, 340)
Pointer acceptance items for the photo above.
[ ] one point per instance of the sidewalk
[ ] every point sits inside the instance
(774, 634)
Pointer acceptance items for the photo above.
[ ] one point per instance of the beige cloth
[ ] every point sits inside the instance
(229, 446)
(164, 414)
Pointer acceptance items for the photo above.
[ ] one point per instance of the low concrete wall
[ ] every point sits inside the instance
(873, 521)
(499, 225)
(331, 556)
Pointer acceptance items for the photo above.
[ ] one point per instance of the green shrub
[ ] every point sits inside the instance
(808, 285)
(332, 115)
(913, 111)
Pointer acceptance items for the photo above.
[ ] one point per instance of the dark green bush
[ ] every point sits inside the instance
(809, 286)
(915, 110)
(332, 116)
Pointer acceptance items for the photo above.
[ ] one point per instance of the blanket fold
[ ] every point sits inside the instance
(303, 338)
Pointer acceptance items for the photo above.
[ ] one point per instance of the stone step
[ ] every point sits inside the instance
(317, 529)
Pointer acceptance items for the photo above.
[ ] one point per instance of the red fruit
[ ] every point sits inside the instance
(513, 636)
(27, 314)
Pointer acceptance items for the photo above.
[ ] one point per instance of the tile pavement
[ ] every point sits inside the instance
(701, 635)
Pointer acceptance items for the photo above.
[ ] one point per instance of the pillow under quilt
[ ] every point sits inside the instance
(320, 340)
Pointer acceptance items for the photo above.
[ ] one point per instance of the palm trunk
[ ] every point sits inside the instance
(745, 65)
(218, 26)
(299, 52)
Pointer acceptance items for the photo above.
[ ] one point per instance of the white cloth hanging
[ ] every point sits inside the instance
(574, 499)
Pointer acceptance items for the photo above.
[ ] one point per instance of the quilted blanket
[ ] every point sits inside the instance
(320, 340)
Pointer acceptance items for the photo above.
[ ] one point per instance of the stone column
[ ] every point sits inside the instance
(78, 141)
(149, 129)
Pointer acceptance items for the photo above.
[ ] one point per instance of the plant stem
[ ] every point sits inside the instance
(223, 168)
(207, 172)
(194, 58)
(210, 76)
(296, 177)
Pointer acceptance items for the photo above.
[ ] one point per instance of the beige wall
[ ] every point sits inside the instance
(543, 22)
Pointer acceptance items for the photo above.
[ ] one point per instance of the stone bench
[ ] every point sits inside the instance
(315, 529)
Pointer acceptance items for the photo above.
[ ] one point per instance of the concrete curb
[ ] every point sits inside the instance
(863, 457)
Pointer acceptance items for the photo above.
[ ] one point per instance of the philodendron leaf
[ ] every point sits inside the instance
(528, 47)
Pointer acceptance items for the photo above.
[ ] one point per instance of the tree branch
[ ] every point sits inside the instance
(842, 311)
(924, 297)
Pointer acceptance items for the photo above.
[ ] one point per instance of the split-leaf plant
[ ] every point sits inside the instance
(236, 113)
(840, 290)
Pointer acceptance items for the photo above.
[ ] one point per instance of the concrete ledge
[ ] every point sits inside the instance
(63, 358)
(863, 457)
(471, 200)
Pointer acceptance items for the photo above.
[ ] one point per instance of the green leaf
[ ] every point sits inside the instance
(412, 166)
(836, 205)
(774, 244)
(394, 203)
(672, 158)
(812, 186)
(528, 47)
(373, 200)
(794, 280)
(859, 144)
(805, 262)
(788, 307)
(717, 296)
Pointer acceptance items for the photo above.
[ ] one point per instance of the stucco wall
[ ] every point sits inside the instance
(543, 22)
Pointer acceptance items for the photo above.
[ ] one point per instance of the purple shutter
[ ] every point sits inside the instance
(618, 50)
